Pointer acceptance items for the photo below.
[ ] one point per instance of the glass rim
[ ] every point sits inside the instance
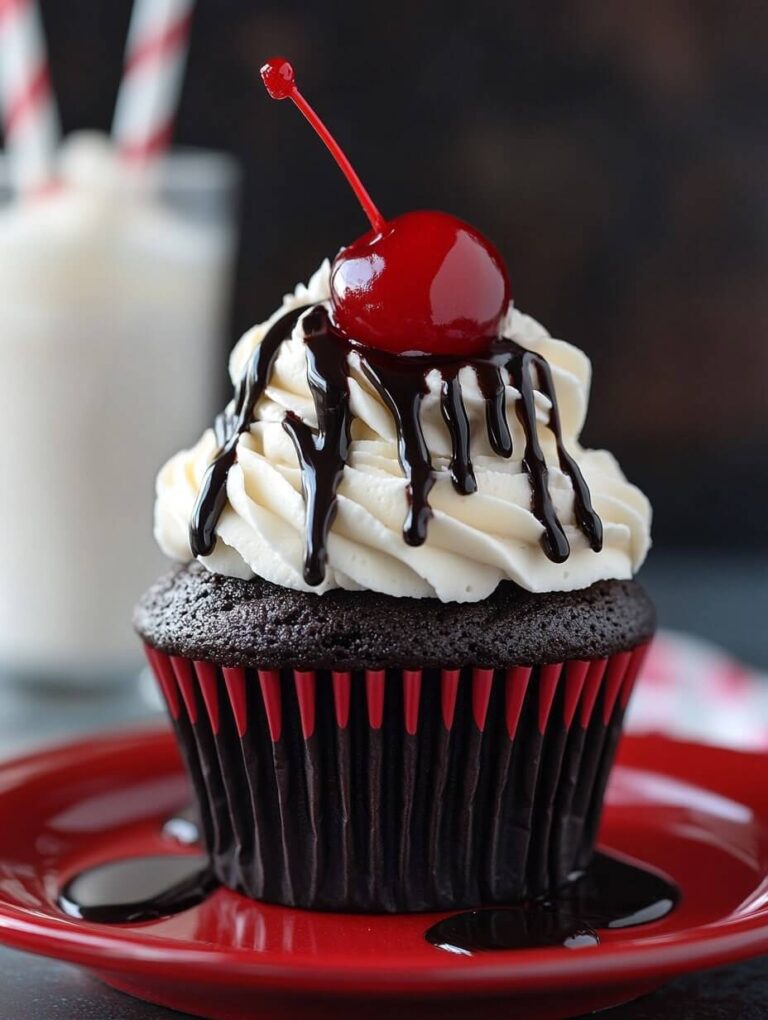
(182, 168)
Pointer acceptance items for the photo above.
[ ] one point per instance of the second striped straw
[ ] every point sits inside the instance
(155, 59)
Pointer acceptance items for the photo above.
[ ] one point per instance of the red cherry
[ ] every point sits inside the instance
(423, 282)
(428, 282)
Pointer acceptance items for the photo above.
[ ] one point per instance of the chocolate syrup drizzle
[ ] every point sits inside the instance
(401, 382)
(609, 894)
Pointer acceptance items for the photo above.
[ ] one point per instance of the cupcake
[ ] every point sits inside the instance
(401, 638)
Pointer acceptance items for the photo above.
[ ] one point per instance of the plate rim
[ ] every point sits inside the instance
(130, 952)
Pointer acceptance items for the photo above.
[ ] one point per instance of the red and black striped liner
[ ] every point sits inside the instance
(398, 790)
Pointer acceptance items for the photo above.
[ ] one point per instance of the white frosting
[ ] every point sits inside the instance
(473, 542)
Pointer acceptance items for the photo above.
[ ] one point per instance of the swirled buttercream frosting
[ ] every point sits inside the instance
(335, 465)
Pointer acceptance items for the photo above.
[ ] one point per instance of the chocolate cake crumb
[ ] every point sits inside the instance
(193, 613)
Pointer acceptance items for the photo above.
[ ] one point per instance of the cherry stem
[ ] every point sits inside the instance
(369, 207)
(280, 82)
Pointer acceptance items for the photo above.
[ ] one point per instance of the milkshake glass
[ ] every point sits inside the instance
(114, 293)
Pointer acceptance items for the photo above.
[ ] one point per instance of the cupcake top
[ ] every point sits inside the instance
(399, 427)
(337, 465)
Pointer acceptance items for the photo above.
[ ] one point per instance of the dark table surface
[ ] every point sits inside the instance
(36, 989)
(722, 599)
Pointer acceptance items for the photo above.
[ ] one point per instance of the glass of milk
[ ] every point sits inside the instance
(114, 293)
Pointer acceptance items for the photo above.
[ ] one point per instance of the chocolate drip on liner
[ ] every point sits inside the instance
(401, 382)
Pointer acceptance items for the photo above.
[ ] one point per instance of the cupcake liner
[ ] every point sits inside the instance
(398, 790)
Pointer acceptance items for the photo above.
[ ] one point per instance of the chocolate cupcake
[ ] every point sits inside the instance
(366, 752)
(399, 667)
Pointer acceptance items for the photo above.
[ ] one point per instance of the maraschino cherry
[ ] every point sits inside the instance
(424, 282)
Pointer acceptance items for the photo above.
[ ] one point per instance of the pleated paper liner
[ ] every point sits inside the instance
(396, 790)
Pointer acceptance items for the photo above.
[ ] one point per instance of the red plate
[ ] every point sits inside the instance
(696, 813)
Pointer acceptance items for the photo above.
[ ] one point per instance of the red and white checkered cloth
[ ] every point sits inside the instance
(694, 690)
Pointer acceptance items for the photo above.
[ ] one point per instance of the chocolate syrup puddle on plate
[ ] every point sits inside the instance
(609, 894)
(401, 382)
(138, 889)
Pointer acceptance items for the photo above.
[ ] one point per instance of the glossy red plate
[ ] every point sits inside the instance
(699, 814)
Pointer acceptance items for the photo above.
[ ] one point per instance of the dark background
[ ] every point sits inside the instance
(616, 152)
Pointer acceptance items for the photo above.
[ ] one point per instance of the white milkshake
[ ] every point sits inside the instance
(112, 309)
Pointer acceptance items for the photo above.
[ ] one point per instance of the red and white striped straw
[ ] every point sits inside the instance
(30, 117)
(155, 58)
